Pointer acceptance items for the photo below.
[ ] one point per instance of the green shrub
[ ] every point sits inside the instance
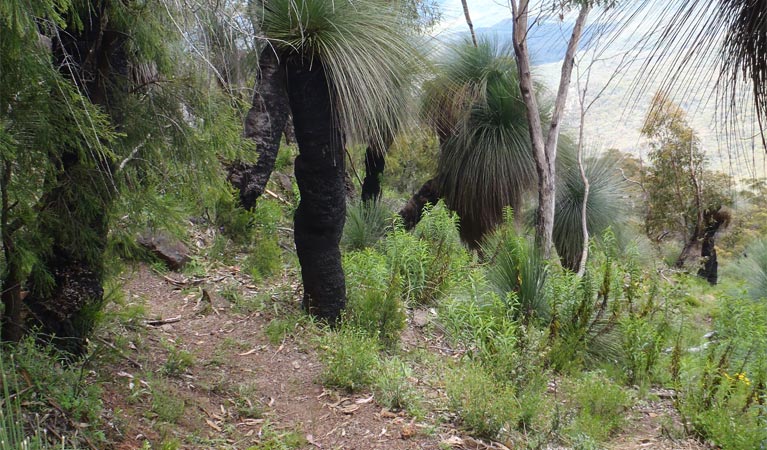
(178, 361)
(586, 312)
(235, 222)
(273, 438)
(366, 224)
(264, 253)
(279, 328)
(722, 390)
(63, 384)
(486, 406)
(351, 359)
(285, 157)
(599, 405)
(166, 404)
(431, 261)
(393, 387)
(643, 342)
(374, 303)
(484, 326)
(517, 271)
(14, 432)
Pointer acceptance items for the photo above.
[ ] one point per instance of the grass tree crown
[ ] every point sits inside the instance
(369, 54)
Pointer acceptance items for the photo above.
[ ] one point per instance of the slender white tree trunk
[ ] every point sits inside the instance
(468, 22)
(544, 151)
(586, 187)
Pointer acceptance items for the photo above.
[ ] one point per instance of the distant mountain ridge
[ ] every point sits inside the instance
(546, 40)
(616, 117)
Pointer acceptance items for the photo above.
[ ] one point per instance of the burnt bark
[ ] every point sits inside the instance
(375, 163)
(265, 123)
(710, 270)
(74, 205)
(413, 210)
(319, 168)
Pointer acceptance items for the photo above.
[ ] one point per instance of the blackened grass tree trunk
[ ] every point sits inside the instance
(264, 124)
(375, 164)
(347, 67)
(412, 212)
(319, 166)
(715, 219)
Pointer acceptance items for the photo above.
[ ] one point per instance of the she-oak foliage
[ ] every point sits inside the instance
(98, 100)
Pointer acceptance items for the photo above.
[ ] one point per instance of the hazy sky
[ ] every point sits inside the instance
(484, 13)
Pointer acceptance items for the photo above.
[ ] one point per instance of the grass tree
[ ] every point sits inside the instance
(485, 163)
(337, 64)
(603, 208)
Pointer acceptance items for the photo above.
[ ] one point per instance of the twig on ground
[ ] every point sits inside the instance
(157, 323)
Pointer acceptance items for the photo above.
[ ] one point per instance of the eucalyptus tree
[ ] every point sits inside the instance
(683, 194)
(544, 141)
(337, 67)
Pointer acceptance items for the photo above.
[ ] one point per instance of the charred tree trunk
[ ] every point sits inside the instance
(412, 211)
(12, 322)
(74, 206)
(265, 124)
(319, 219)
(375, 162)
(64, 307)
(710, 268)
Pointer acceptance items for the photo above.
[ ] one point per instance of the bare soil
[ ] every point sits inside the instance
(241, 391)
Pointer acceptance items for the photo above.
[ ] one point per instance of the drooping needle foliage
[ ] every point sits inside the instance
(475, 107)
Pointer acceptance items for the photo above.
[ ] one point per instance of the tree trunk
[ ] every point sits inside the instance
(709, 271)
(319, 219)
(413, 209)
(265, 124)
(75, 204)
(375, 163)
(544, 152)
(469, 23)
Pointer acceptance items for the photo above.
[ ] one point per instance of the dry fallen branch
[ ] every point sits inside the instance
(159, 322)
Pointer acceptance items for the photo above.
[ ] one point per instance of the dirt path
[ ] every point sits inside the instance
(213, 380)
(235, 368)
